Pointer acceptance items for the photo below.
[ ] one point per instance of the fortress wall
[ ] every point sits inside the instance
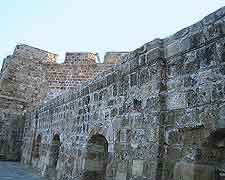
(107, 113)
(161, 112)
(195, 96)
(30, 77)
(123, 105)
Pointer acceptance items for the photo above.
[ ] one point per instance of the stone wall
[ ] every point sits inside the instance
(30, 52)
(11, 127)
(80, 57)
(65, 76)
(195, 100)
(158, 115)
(22, 85)
(27, 78)
(114, 57)
(117, 105)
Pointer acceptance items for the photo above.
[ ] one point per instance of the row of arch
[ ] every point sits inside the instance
(95, 160)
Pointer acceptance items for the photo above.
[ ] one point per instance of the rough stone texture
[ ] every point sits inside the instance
(34, 53)
(159, 115)
(114, 57)
(31, 76)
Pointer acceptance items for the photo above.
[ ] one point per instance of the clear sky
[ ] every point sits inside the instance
(95, 25)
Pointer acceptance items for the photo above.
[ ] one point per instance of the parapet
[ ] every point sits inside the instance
(34, 53)
(114, 57)
(80, 58)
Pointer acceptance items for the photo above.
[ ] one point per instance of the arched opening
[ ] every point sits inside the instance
(37, 147)
(54, 151)
(96, 158)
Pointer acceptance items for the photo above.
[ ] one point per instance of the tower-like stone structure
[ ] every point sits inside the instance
(22, 85)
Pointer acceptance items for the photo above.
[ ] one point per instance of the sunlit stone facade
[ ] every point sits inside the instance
(157, 115)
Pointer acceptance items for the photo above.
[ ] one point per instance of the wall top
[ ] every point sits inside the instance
(34, 53)
(80, 57)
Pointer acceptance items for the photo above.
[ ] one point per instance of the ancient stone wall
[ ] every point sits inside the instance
(31, 76)
(11, 127)
(22, 85)
(158, 115)
(115, 105)
(195, 100)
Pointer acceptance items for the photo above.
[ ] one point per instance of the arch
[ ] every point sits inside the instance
(96, 158)
(54, 151)
(101, 131)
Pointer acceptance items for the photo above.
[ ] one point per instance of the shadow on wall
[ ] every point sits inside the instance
(96, 158)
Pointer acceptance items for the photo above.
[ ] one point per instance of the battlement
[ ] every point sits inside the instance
(80, 57)
(71, 58)
(34, 53)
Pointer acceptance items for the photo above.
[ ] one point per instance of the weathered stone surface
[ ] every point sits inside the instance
(157, 115)
(31, 76)
(189, 171)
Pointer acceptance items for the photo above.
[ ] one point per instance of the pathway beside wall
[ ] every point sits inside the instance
(14, 170)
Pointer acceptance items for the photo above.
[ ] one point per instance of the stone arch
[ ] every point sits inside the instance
(54, 151)
(107, 132)
(96, 158)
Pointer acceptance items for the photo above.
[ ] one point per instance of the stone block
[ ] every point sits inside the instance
(191, 63)
(137, 167)
(134, 64)
(154, 56)
(133, 79)
(181, 33)
(144, 76)
(197, 39)
(172, 49)
(204, 95)
(194, 171)
(176, 101)
(191, 98)
(142, 60)
(121, 176)
(185, 44)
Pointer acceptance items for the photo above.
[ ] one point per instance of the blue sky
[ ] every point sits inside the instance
(95, 25)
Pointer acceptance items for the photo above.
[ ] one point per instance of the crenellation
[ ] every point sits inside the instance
(30, 52)
(80, 58)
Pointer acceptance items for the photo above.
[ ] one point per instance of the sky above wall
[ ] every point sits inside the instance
(61, 26)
